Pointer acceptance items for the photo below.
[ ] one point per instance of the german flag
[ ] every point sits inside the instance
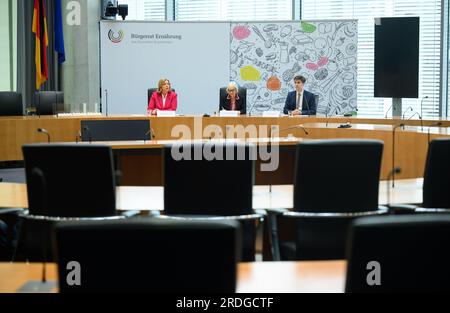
(41, 45)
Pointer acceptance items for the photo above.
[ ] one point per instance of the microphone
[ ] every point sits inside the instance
(106, 102)
(404, 113)
(44, 131)
(86, 129)
(395, 170)
(438, 124)
(150, 132)
(421, 103)
(393, 152)
(420, 117)
(292, 127)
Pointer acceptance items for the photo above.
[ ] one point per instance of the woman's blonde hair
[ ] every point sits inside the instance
(233, 85)
(161, 82)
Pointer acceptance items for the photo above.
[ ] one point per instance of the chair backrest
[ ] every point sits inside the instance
(11, 103)
(150, 91)
(411, 254)
(48, 102)
(339, 175)
(115, 130)
(70, 180)
(436, 183)
(149, 255)
(332, 176)
(197, 185)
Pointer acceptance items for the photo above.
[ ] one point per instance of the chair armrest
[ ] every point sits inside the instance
(11, 211)
(431, 210)
(295, 214)
(65, 219)
(246, 217)
(402, 209)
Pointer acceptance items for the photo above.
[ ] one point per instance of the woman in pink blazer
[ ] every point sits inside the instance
(163, 99)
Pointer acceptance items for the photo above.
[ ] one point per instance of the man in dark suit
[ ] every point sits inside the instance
(232, 100)
(300, 101)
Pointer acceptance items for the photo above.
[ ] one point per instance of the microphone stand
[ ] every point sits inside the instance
(106, 104)
(328, 118)
(404, 113)
(385, 116)
(421, 105)
(395, 170)
(393, 152)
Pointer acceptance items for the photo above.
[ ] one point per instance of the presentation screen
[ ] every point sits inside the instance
(397, 57)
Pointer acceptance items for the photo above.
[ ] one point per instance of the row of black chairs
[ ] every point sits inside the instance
(45, 102)
(194, 187)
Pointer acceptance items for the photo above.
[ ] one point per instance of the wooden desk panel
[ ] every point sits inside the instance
(152, 198)
(411, 147)
(253, 277)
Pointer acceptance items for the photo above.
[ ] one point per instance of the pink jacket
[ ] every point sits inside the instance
(156, 102)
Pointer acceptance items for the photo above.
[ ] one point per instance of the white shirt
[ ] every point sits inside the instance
(164, 100)
(299, 104)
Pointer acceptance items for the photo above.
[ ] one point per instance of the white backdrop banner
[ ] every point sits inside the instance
(135, 55)
(200, 57)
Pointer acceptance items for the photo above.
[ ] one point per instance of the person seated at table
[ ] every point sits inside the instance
(300, 101)
(231, 101)
(164, 99)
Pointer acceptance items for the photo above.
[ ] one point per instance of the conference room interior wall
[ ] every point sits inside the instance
(81, 71)
(6, 45)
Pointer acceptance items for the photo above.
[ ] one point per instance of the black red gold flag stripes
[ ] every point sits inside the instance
(41, 45)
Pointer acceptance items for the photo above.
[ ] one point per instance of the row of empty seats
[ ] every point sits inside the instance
(325, 205)
(45, 102)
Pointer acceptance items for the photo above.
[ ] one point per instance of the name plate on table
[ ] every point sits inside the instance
(271, 114)
(165, 113)
(225, 113)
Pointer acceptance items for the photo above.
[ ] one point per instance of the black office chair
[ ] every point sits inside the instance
(64, 182)
(48, 102)
(115, 130)
(242, 95)
(214, 189)
(150, 91)
(411, 254)
(335, 182)
(436, 182)
(11, 103)
(150, 255)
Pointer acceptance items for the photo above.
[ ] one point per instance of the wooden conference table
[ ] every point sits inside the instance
(140, 198)
(253, 277)
(411, 142)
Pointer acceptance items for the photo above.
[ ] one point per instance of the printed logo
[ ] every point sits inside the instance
(115, 38)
